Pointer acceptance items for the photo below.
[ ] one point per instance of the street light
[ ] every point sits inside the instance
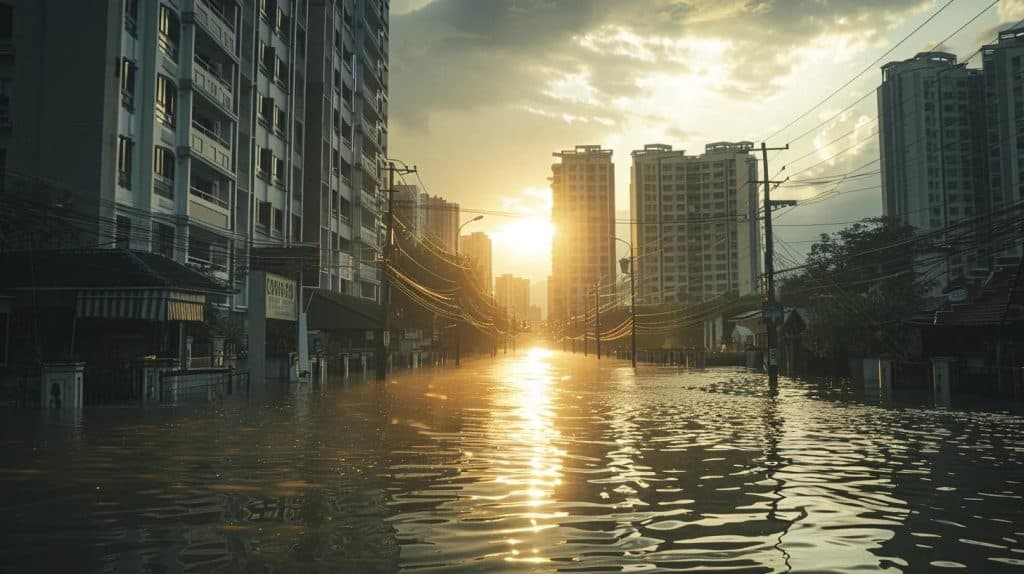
(626, 264)
(458, 330)
(459, 232)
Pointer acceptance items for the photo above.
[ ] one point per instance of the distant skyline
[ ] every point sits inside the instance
(484, 91)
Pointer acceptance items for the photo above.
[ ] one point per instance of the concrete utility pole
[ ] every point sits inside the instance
(384, 341)
(597, 318)
(629, 263)
(771, 315)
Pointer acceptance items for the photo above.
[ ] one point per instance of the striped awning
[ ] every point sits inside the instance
(145, 304)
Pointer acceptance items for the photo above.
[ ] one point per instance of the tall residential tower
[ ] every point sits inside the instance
(697, 233)
(583, 213)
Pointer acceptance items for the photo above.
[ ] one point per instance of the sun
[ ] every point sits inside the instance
(528, 236)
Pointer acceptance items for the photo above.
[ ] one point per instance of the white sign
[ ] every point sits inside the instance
(281, 298)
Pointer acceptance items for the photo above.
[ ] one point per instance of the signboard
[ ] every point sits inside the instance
(958, 295)
(281, 297)
(772, 315)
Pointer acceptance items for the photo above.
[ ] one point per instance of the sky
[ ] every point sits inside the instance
(482, 92)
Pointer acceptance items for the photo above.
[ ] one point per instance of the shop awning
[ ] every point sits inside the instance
(144, 304)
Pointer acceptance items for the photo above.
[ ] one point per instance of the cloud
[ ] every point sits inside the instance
(577, 56)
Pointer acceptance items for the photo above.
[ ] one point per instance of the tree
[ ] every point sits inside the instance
(860, 289)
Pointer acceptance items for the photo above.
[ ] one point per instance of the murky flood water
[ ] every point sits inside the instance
(538, 462)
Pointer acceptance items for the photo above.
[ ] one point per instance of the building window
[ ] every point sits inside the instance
(278, 173)
(169, 31)
(265, 110)
(267, 59)
(131, 15)
(166, 100)
(264, 161)
(279, 121)
(281, 74)
(163, 172)
(278, 220)
(122, 232)
(128, 68)
(164, 242)
(124, 161)
(296, 228)
(268, 9)
(263, 214)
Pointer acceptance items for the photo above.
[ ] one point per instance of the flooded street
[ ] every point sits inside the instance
(535, 462)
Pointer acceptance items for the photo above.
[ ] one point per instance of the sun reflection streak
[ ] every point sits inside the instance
(534, 462)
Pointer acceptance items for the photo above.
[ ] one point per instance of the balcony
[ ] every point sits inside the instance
(369, 273)
(370, 168)
(371, 202)
(210, 147)
(368, 236)
(211, 85)
(216, 25)
(346, 266)
(205, 212)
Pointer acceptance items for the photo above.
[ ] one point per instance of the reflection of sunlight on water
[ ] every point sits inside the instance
(533, 468)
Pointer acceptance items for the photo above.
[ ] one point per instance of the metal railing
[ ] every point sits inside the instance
(209, 197)
(208, 384)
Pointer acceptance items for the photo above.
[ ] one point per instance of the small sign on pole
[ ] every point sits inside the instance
(772, 315)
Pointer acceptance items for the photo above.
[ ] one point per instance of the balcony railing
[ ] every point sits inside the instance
(210, 146)
(209, 197)
(370, 167)
(216, 25)
(211, 84)
(345, 266)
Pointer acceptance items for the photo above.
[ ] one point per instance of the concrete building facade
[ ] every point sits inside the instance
(442, 223)
(477, 248)
(697, 232)
(1002, 69)
(513, 293)
(346, 133)
(933, 153)
(411, 208)
(583, 213)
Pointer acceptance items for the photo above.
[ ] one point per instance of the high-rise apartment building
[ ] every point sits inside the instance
(930, 111)
(228, 135)
(183, 135)
(442, 223)
(346, 135)
(583, 213)
(477, 248)
(697, 233)
(410, 208)
(1003, 68)
(513, 293)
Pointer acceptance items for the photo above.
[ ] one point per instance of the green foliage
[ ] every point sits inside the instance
(860, 289)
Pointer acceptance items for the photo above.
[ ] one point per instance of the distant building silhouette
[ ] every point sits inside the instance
(477, 248)
(513, 293)
(583, 213)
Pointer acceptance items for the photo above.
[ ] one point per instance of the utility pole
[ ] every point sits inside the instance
(771, 315)
(597, 318)
(586, 316)
(383, 342)
(572, 330)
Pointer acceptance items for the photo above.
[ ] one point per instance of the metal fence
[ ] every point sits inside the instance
(202, 384)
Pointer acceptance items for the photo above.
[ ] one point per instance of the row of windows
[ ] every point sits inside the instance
(269, 166)
(163, 165)
(275, 68)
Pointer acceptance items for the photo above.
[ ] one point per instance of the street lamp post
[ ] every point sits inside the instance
(458, 325)
(628, 263)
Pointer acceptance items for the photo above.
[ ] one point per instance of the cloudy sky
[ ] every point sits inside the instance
(483, 91)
